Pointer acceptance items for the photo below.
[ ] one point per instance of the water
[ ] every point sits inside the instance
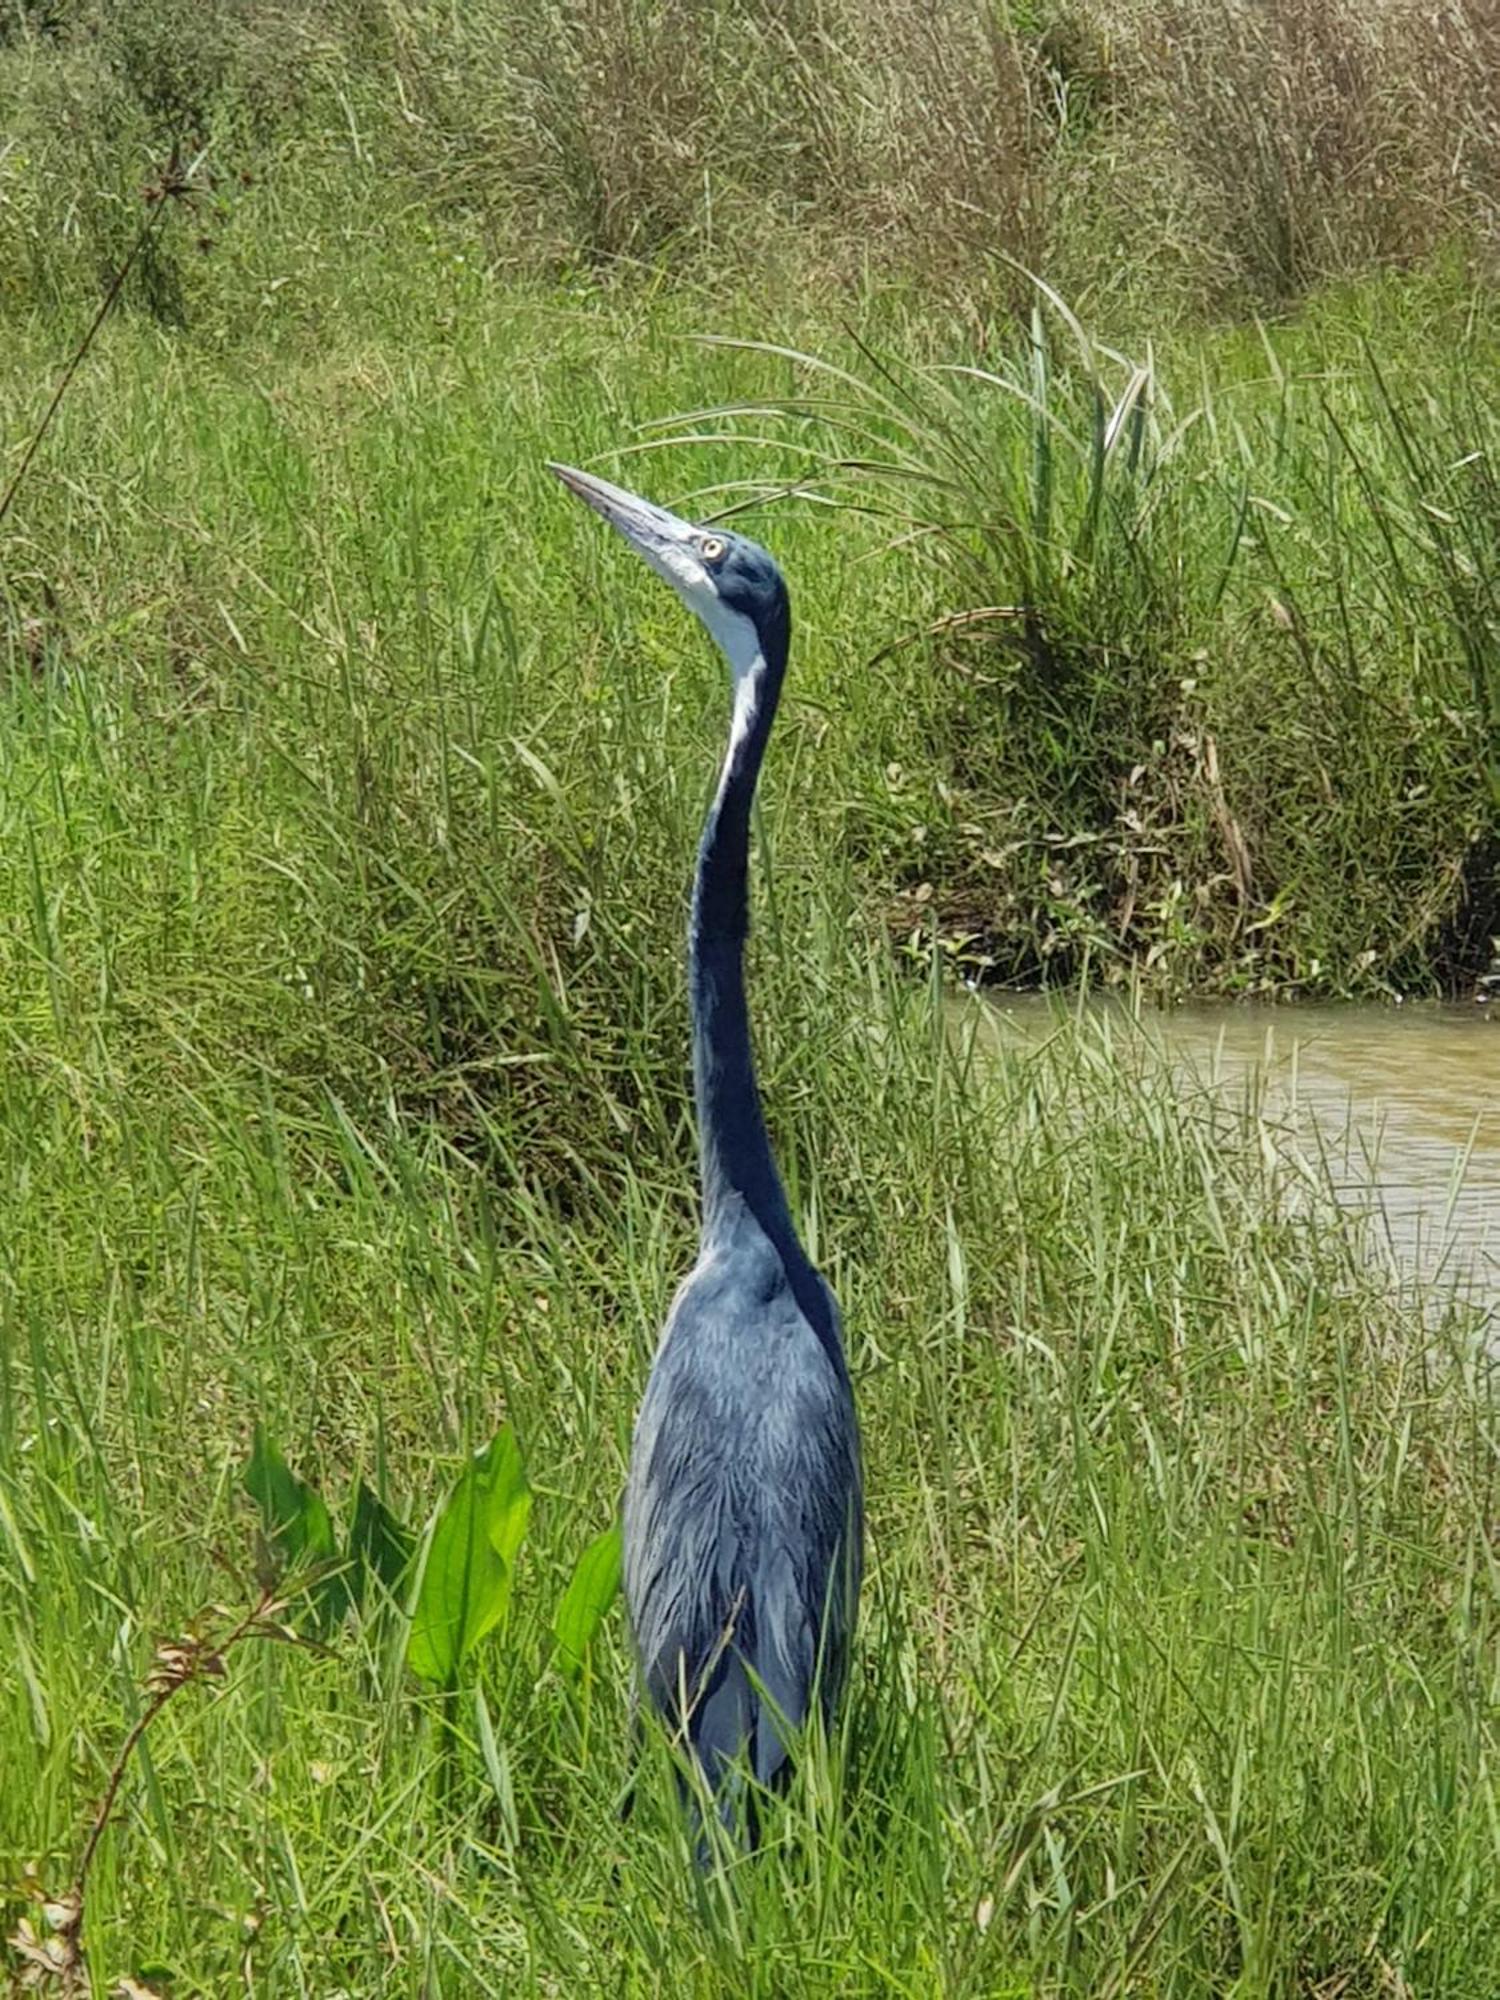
(1403, 1102)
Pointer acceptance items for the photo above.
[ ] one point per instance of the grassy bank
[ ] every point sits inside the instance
(1181, 665)
(1177, 1673)
(349, 778)
(349, 786)
(1210, 157)
(1185, 665)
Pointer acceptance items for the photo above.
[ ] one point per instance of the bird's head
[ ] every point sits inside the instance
(731, 583)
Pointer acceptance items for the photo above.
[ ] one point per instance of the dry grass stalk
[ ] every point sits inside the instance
(52, 1952)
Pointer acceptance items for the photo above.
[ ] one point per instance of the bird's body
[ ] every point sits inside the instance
(740, 1513)
(743, 1514)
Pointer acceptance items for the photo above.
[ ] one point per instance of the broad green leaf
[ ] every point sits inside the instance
(296, 1520)
(380, 1545)
(465, 1587)
(594, 1585)
(298, 1525)
(510, 1496)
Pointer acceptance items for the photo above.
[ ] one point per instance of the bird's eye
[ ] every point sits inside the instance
(710, 548)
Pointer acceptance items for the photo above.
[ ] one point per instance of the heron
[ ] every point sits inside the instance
(743, 1509)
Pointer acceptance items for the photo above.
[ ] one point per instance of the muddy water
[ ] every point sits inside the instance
(1404, 1103)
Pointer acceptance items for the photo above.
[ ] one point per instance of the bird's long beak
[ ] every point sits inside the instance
(668, 543)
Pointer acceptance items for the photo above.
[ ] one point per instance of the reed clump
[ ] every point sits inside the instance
(1210, 157)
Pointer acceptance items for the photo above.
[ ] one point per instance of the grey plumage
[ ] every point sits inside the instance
(743, 1521)
(742, 1513)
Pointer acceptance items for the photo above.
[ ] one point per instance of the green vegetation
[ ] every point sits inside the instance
(349, 780)
(1195, 667)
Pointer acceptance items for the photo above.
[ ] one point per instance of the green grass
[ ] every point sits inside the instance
(1216, 690)
(348, 784)
(1227, 715)
(1178, 668)
(349, 781)
(1178, 1658)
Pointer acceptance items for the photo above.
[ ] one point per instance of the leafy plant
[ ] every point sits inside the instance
(381, 1546)
(299, 1528)
(585, 1603)
(468, 1562)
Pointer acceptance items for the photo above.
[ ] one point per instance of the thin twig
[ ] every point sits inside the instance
(173, 182)
(201, 1662)
(180, 1663)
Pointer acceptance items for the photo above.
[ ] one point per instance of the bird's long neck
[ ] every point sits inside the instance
(737, 1164)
